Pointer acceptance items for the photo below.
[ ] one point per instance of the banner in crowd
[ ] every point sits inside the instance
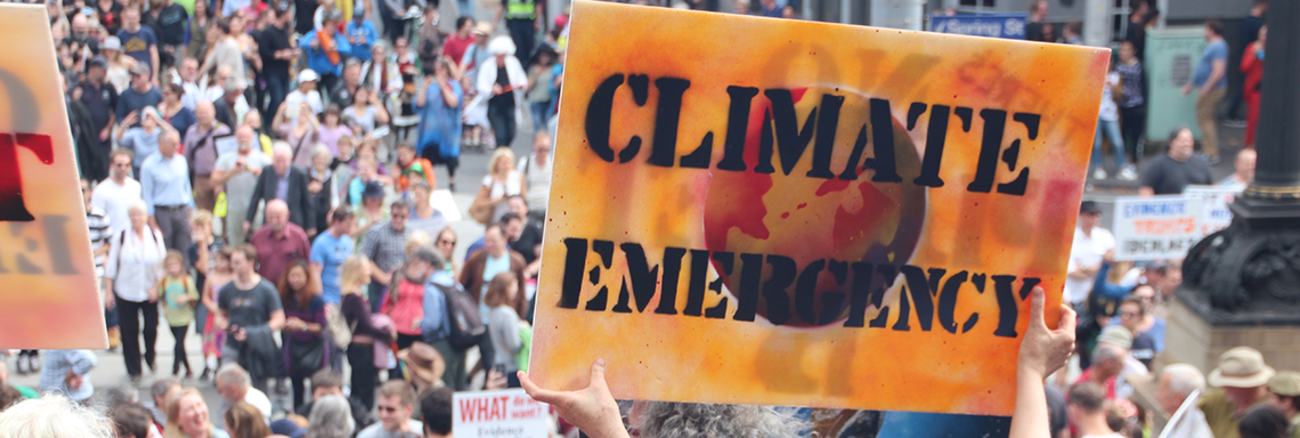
(48, 293)
(780, 212)
(508, 413)
(1215, 214)
(1157, 227)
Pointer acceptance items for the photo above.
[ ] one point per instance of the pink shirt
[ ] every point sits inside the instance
(409, 309)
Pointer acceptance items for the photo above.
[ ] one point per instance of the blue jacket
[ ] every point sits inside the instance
(434, 325)
(1111, 291)
(361, 51)
(316, 58)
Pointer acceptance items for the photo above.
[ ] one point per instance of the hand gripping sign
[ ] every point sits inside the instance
(48, 296)
(760, 211)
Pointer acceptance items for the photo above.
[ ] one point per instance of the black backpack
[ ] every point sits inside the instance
(467, 328)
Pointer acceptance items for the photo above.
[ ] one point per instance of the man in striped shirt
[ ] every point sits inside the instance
(100, 232)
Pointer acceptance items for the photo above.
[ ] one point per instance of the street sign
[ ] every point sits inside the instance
(1009, 26)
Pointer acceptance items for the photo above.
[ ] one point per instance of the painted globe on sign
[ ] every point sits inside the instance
(811, 219)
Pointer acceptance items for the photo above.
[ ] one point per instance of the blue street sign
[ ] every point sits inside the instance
(1009, 26)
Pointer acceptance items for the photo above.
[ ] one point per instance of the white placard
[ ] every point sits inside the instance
(225, 144)
(1215, 214)
(442, 201)
(1156, 227)
(507, 413)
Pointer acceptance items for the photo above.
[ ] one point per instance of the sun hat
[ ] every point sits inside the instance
(1241, 367)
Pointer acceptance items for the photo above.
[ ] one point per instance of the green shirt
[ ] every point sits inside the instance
(1221, 414)
(179, 315)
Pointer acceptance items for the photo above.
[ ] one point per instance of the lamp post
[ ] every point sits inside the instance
(1249, 273)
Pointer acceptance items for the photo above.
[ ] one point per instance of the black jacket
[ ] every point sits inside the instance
(302, 207)
(92, 161)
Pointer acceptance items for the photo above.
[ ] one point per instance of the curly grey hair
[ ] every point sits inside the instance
(701, 420)
(54, 416)
(331, 417)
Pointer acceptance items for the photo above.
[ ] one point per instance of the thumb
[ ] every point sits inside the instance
(1036, 306)
(1067, 320)
(597, 373)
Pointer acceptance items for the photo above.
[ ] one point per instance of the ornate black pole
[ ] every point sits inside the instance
(1249, 273)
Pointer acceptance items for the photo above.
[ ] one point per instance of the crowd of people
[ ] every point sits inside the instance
(1122, 118)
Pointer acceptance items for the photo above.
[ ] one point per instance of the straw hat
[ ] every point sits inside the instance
(424, 362)
(1241, 367)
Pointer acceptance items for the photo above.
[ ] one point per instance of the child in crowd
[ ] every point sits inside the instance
(504, 325)
(179, 298)
(214, 338)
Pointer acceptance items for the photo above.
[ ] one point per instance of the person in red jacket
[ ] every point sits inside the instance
(1252, 64)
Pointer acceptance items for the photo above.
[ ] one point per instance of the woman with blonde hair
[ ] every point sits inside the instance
(244, 421)
(501, 182)
(187, 417)
(354, 275)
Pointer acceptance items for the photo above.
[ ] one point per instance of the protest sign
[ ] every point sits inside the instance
(1156, 227)
(780, 212)
(1215, 214)
(508, 413)
(48, 298)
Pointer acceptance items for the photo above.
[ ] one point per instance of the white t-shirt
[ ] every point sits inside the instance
(377, 431)
(259, 400)
(1109, 110)
(539, 181)
(313, 101)
(114, 200)
(511, 187)
(1087, 251)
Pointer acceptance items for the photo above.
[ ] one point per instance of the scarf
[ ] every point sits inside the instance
(327, 45)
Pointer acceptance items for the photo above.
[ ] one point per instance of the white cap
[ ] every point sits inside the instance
(308, 75)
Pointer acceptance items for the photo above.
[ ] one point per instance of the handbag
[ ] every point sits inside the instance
(481, 209)
(306, 357)
(339, 330)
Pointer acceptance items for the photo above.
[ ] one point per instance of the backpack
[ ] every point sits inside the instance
(467, 328)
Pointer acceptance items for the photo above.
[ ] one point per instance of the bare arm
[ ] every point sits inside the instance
(153, 57)
(1042, 352)
(1146, 191)
(277, 320)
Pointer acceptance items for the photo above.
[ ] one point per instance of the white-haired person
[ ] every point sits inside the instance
(54, 416)
(331, 417)
(1177, 382)
(131, 275)
(594, 411)
(502, 82)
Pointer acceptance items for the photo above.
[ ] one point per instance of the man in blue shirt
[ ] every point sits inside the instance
(326, 59)
(165, 183)
(1212, 81)
(361, 34)
(329, 251)
(139, 42)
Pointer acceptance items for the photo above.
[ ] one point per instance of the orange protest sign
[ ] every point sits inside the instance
(760, 211)
(48, 295)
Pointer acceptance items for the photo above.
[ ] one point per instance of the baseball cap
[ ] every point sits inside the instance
(1285, 383)
(140, 69)
(1089, 207)
(1241, 367)
(98, 61)
(374, 189)
(308, 75)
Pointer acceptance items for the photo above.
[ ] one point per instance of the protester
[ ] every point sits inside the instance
(1088, 409)
(173, 110)
(65, 373)
(230, 106)
(325, 49)
(179, 295)
(537, 168)
(54, 416)
(1091, 242)
(120, 65)
(225, 51)
(524, 18)
(306, 93)
(1284, 394)
(130, 283)
(382, 247)
(326, 383)
(201, 151)
(405, 300)
(304, 328)
(523, 235)
(396, 403)
(323, 185)
(213, 336)
(423, 216)
(371, 212)
(236, 175)
(243, 420)
(1243, 171)
(160, 392)
(250, 310)
(353, 276)
(1108, 126)
(1033, 26)
(380, 73)
(1242, 378)
(504, 323)
(445, 242)
(133, 421)
(330, 250)
(436, 410)
(439, 104)
(235, 386)
(139, 95)
(1132, 101)
(430, 37)
(365, 113)
(538, 91)
(99, 228)
(283, 182)
(1171, 172)
(100, 98)
(1252, 65)
(1211, 81)
(1107, 364)
(425, 366)
(187, 417)
(1177, 383)
(503, 81)
(501, 182)
(329, 418)
(140, 43)
(1132, 312)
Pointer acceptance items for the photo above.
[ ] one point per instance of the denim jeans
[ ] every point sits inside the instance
(277, 88)
(541, 112)
(1110, 128)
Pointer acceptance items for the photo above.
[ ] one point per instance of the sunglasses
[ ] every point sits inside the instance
(386, 409)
